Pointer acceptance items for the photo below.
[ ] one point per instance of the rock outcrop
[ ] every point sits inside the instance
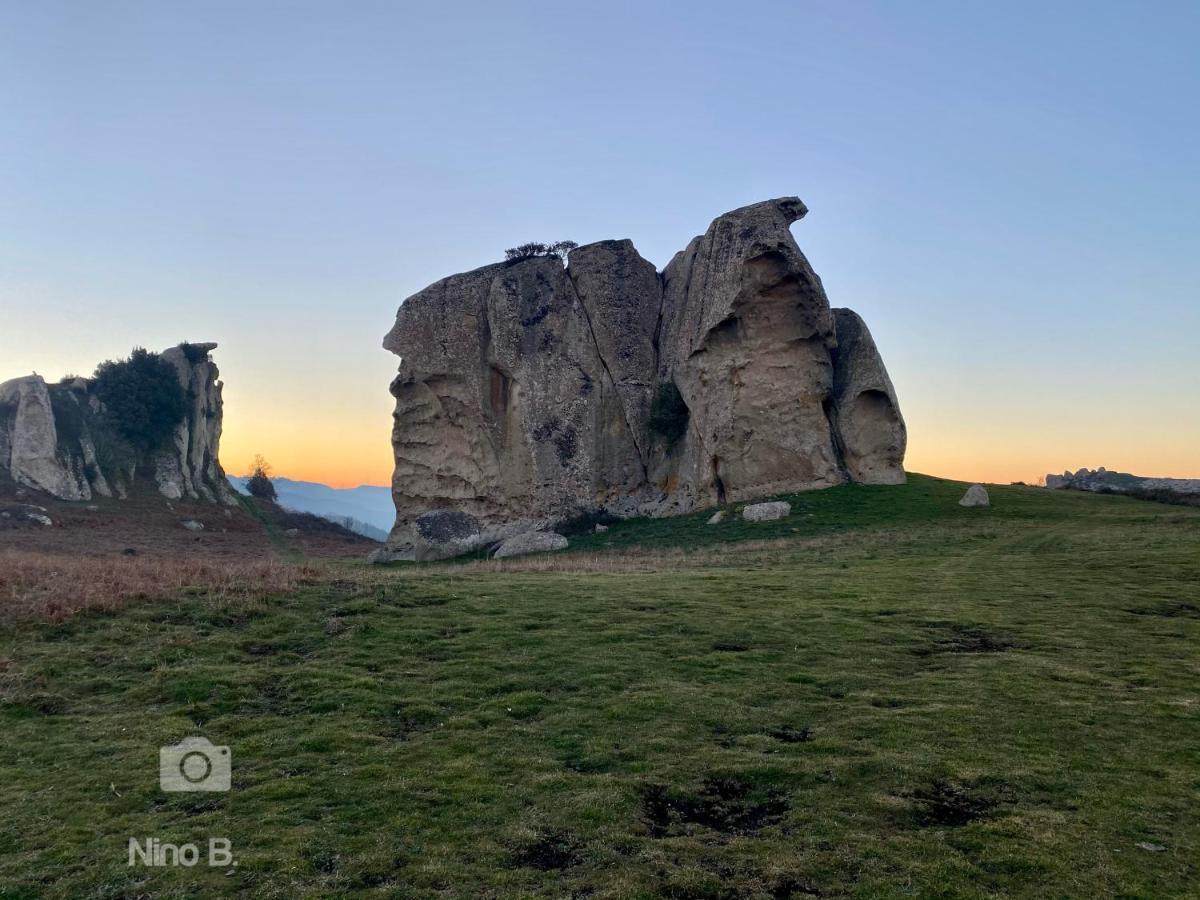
(529, 391)
(60, 439)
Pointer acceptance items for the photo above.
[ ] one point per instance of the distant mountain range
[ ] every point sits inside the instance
(366, 509)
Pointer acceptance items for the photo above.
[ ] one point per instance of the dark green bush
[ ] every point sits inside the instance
(669, 414)
(143, 398)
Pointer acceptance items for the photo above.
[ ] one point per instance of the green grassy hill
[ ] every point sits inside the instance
(884, 695)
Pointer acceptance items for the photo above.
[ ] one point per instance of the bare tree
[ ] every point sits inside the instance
(260, 484)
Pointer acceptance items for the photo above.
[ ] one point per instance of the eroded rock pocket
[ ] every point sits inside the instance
(728, 805)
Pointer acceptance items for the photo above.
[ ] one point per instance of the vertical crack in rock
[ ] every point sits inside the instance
(620, 295)
(624, 411)
(782, 392)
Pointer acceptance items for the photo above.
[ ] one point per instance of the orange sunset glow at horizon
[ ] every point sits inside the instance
(349, 452)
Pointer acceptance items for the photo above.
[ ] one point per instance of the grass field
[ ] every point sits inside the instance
(883, 695)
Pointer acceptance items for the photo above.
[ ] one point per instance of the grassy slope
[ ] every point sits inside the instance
(1032, 668)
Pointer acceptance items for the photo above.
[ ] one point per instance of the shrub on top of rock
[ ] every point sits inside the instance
(534, 249)
(142, 396)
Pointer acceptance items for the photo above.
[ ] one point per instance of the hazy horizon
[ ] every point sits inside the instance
(1006, 195)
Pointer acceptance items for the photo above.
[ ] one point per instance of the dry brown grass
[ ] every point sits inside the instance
(53, 588)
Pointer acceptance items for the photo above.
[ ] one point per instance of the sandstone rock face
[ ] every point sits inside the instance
(530, 542)
(30, 442)
(767, 512)
(866, 414)
(49, 436)
(747, 336)
(976, 495)
(526, 391)
(197, 439)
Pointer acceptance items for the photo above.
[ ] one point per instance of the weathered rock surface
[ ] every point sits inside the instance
(866, 414)
(29, 446)
(444, 533)
(526, 390)
(530, 542)
(976, 495)
(49, 435)
(767, 512)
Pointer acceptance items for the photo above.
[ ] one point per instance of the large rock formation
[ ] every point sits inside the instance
(59, 438)
(529, 391)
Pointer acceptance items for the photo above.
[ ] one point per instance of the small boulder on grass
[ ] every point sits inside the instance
(716, 518)
(192, 525)
(767, 512)
(976, 495)
(530, 542)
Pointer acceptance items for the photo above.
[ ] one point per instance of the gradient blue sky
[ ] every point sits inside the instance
(1008, 193)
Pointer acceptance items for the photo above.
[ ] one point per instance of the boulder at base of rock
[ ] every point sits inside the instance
(766, 512)
(192, 525)
(600, 529)
(384, 555)
(716, 518)
(443, 533)
(976, 495)
(530, 542)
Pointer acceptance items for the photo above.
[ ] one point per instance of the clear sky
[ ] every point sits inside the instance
(1007, 192)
